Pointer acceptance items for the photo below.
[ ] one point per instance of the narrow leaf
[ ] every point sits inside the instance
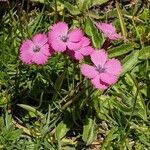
(38, 1)
(84, 4)
(122, 23)
(58, 84)
(145, 53)
(31, 109)
(130, 61)
(120, 50)
(61, 130)
(89, 131)
(72, 9)
(92, 31)
(99, 2)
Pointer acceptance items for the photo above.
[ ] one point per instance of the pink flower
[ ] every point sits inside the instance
(36, 50)
(105, 71)
(82, 51)
(61, 38)
(108, 30)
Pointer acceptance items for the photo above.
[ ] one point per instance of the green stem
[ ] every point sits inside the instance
(121, 19)
(137, 32)
(73, 99)
(56, 13)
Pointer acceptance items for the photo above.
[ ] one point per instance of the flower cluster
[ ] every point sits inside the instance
(73, 42)
(102, 73)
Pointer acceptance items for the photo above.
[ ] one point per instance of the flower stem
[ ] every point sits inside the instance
(56, 14)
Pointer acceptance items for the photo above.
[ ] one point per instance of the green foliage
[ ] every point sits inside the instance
(145, 53)
(90, 30)
(89, 131)
(130, 61)
(61, 130)
(52, 106)
(121, 50)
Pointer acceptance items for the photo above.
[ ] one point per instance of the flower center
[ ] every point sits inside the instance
(36, 49)
(100, 69)
(64, 38)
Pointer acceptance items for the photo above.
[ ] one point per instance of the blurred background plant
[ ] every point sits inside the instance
(53, 106)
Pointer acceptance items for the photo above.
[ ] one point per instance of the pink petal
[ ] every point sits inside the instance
(58, 45)
(108, 78)
(75, 35)
(45, 50)
(54, 36)
(88, 71)
(106, 27)
(98, 84)
(26, 51)
(114, 36)
(39, 58)
(86, 50)
(74, 46)
(85, 41)
(26, 57)
(27, 45)
(40, 39)
(59, 29)
(108, 30)
(99, 57)
(113, 66)
(78, 55)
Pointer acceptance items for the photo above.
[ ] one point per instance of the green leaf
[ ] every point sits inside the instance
(140, 108)
(61, 130)
(98, 2)
(72, 9)
(145, 53)
(40, 1)
(8, 120)
(83, 4)
(31, 109)
(145, 14)
(122, 107)
(95, 15)
(120, 50)
(121, 19)
(34, 25)
(58, 84)
(92, 31)
(89, 131)
(86, 4)
(3, 99)
(130, 61)
(110, 135)
(13, 135)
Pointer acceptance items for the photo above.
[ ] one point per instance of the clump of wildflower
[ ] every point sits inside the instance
(104, 72)
(61, 38)
(36, 50)
(108, 30)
